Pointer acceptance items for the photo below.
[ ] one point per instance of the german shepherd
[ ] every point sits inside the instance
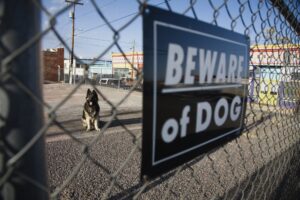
(91, 110)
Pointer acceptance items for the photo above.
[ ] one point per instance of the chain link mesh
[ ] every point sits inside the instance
(263, 163)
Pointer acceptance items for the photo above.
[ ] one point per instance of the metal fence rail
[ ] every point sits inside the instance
(263, 163)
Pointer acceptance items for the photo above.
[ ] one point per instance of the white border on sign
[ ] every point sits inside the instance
(210, 87)
(169, 90)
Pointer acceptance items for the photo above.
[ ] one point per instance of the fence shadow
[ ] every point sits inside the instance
(130, 192)
(75, 125)
(274, 186)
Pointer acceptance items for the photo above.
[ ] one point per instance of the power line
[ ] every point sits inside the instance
(113, 21)
(116, 20)
(98, 39)
(101, 7)
(90, 11)
(99, 26)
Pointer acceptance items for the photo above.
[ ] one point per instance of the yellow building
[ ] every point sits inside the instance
(274, 68)
(126, 65)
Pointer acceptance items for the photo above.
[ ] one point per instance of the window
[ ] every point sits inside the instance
(295, 76)
(263, 88)
(274, 89)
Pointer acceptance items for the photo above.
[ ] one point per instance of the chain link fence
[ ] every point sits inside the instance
(263, 163)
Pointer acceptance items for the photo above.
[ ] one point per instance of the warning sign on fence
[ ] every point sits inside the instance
(195, 88)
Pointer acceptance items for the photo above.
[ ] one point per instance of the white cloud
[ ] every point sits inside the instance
(57, 1)
(53, 9)
(55, 5)
(45, 24)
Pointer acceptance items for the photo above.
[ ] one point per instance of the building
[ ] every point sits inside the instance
(102, 68)
(53, 64)
(123, 67)
(273, 68)
(275, 55)
(98, 68)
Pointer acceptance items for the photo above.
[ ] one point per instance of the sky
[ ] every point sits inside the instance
(93, 36)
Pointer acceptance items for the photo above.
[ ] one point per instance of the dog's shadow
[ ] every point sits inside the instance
(120, 122)
(74, 126)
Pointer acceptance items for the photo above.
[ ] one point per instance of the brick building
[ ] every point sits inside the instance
(53, 64)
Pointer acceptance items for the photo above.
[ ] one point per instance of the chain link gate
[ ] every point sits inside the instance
(263, 163)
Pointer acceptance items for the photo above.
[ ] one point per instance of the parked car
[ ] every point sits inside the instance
(103, 81)
(108, 81)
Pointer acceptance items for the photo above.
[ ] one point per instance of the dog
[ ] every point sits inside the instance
(91, 110)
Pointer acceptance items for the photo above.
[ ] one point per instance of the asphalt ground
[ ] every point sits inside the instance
(249, 167)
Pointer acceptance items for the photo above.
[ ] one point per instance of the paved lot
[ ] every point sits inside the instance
(69, 114)
(249, 167)
(55, 93)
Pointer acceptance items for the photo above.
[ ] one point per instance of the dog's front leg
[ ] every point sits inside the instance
(88, 124)
(96, 125)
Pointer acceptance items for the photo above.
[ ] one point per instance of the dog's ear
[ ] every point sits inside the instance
(95, 94)
(88, 92)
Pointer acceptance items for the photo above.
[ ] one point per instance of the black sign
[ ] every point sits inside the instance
(195, 86)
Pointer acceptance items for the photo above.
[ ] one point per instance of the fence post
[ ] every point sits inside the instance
(58, 73)
(100, 77)
(23, 116)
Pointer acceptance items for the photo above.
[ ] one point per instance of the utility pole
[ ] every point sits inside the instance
(74, 2)
(133, 49)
